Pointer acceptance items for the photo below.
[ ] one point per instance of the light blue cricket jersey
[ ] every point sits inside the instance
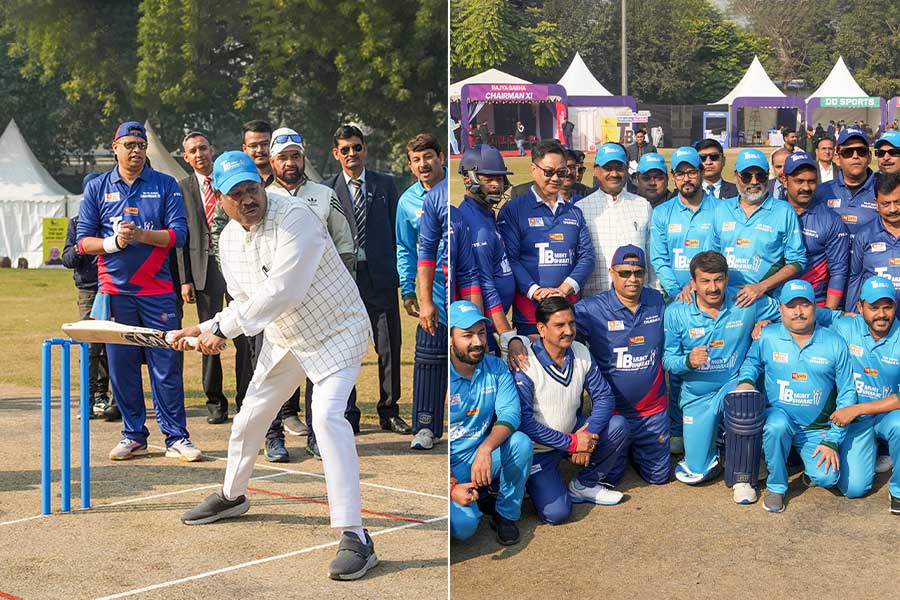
(677, 234)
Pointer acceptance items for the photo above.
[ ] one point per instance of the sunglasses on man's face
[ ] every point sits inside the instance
(748, 176)
(133, 145)
(345, 150)
(629, 273)
(713, 156)
(549, 173)
(881, 152)
(293, 137)
(861, 151)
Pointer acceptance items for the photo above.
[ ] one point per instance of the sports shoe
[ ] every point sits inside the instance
(312, 448)
(895, 505)
(126, 449)
(112, 412)
(685, 475)
(676, 445)
(507, 532)
(807, 481)
(601, 493)
(276, 452)
(354, 557)
(216, 507)
(294, 426)
(98, 405)
(184, 450)
(773, 502)
(423, 440)
(883, 464)
(743, 493)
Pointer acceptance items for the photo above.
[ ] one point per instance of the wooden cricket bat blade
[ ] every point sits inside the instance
(110, 332)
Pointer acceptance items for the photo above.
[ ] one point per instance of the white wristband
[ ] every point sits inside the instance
(109, 245)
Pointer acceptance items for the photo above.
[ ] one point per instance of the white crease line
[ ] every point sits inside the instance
(258, 561)
(320, 476)
(140, 498)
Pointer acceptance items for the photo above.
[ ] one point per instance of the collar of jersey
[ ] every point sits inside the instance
(116, 177)
(561, 374)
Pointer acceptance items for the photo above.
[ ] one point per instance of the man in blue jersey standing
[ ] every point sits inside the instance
(131, 217)
(758, 235)
(873, 339)
(807, 375)
(623, 328)
(484, 441)
(851, 193)
(876, 246)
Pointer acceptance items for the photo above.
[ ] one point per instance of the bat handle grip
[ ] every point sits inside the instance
(191, 340)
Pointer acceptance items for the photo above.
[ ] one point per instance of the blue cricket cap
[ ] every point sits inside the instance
(636, 257)
(797, 288)
(651, 161)
(891, 137)
(852, 132)
(876, 288)
(751, 158)
(464, 314)
(608, 153)
(797, 160)
(231, 168)
(685, 154)
(130, 128)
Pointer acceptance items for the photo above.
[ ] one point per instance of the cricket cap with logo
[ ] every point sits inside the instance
(685, 154)
(748, 158)
(797, 160)
(464, 314)
(231, 168)
(797, 288)
(130, 128)
(283, 138)
(652, 161)
(608, 153)
(891, 136)
(852, 132)
(629, 255)
(877, 288)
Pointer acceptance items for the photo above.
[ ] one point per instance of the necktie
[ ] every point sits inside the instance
(209, 201)
(781, 193)
(359, 212)
(711, 190)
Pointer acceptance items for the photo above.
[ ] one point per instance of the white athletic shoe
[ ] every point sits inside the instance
(602, 493)
(883, 464)
(184, 450)
(744, 493)
(685, 475)
(423, 440)
(126, 449)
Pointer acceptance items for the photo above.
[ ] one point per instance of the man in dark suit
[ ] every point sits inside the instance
(370, 203)
(201, 280)
(712, 160)
(775, 185)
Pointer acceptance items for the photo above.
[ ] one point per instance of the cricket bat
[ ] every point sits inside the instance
(110, 332)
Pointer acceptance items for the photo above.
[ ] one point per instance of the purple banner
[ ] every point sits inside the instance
(514, 92)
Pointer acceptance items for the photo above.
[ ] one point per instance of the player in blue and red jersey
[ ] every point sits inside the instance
(623, 328)
(825, 237)
(131, 217)
(876, 247)
(851, 194)
(546, 238)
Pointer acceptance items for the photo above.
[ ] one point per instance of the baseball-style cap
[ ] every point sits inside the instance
(891, 136)
(797, 288)
(231, 168)
(651, 161)
(685, 154)
(285, 137)
(751, 158)
(464, 314)
(876, 288)
(638, 260)
(797, 160)
(608, 153)
(852, 132)
(130, 128)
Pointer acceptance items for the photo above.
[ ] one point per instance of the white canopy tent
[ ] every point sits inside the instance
(160, 159)
(491, 76)
(841, 97)
(28, 194)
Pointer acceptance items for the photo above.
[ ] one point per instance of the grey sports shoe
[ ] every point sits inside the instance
(773, 502)
(354, 558)
(216, 507)
(294, 426)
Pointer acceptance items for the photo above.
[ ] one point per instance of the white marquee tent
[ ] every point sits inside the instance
(28, 194)
(840, 85)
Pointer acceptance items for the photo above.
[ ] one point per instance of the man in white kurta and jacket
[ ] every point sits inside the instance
(286, 278)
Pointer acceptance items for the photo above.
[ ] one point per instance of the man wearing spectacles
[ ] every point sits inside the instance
(131, 217)
(370, 199)
(546, 239)
(623, 328)
(758, 234)
(567, 188)
(825, 236)
(825, 159)
(712, 160)
(851, 194)
(887, 151)
(615, 217)
(875, 249)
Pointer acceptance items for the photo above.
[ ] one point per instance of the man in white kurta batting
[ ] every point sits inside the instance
(287, 279)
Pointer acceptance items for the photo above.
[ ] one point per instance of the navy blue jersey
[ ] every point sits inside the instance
(497, 281)
(827, 243)
(875, 252)
(855, 207)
